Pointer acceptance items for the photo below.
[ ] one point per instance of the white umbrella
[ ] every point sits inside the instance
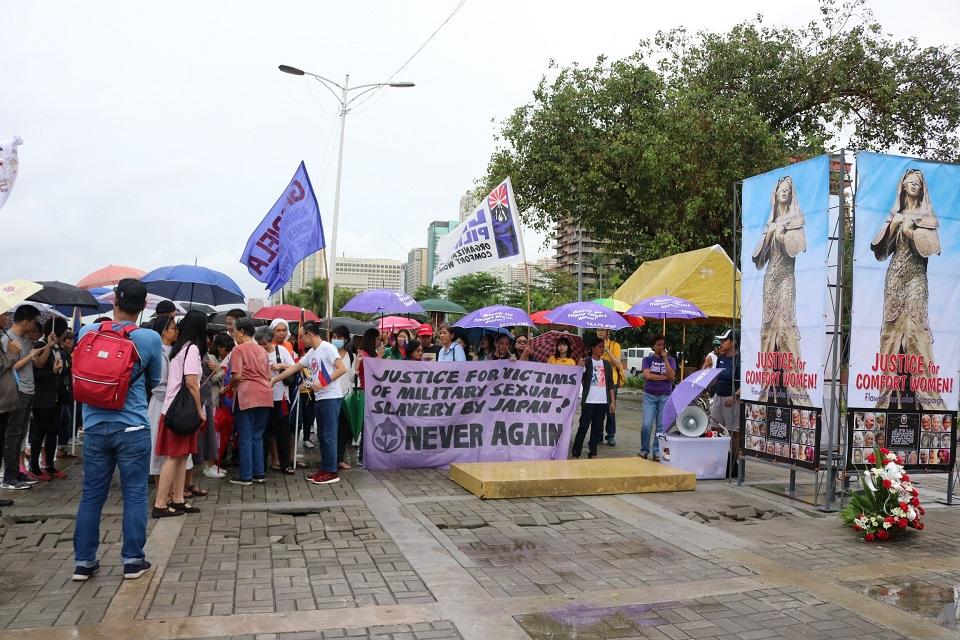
(14, 292)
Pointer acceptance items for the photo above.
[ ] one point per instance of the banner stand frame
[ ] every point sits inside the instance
(835, 460)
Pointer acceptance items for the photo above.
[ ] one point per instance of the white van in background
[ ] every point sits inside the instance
(635, 356)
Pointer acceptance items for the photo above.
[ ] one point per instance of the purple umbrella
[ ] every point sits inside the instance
(587, 315)
(382, 302)
(666, 307)
(686, 392)
(495, 317)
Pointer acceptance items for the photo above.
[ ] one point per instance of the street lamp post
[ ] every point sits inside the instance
(346, 102)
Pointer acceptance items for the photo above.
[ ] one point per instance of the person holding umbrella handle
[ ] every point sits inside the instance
(659, 372)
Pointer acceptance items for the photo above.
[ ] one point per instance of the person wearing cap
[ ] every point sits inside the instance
(725, 407)
(121, 439)
(430, 350)
(165, 308)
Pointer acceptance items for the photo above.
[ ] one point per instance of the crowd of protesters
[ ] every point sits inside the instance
(254, 389)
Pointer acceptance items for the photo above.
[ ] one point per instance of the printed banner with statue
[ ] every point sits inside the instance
(785, 217)
(490, 237)
(905, 315)
(433, 414)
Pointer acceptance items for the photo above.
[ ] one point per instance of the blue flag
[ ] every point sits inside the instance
(290, 232)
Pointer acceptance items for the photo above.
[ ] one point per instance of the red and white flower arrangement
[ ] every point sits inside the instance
(888, 503)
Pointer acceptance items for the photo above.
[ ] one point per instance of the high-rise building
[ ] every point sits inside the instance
(361, 274)
(572, 246)
(468, 204)
(436, 230)
(310, 268)
(415, 270)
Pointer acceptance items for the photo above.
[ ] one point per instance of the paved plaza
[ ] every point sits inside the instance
(409, 555)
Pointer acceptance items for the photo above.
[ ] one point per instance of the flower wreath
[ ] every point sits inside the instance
(888, 502)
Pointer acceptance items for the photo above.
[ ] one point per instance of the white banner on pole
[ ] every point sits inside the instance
(490, 237)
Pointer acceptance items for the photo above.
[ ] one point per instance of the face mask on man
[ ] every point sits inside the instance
(338, 342)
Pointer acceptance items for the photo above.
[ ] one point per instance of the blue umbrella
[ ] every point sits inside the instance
(193, 283)
(587, 315)
(495, 317)
(686, 392)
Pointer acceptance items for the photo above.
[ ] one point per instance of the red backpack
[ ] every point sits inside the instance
(102, 362)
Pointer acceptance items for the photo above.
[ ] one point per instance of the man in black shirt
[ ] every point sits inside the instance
(725, 407)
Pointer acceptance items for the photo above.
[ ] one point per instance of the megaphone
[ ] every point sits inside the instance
(692, 422)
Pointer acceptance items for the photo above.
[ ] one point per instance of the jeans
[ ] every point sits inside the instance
(66, 424)
(344, 434)
(106, 447)
(328, 421)
(591, 415)
(652, 415)
(16, 429)
(612, 418)
(250, 425)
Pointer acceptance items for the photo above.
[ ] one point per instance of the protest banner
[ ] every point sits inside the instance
(489, 237)
(290, 232)
(433, 414)
(784, 279)
(905, 314)
(9, 166)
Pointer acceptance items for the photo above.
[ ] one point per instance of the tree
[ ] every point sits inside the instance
(476, 290)
(428, 292)
(314, 297)
(644, 151)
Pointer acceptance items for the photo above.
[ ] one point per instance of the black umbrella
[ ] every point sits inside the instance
(354, 326)
(64, 295)
(198, 306)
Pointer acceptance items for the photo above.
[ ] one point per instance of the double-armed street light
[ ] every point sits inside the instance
(347, 98)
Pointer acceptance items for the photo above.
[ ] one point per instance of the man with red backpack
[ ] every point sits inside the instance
(114, 366)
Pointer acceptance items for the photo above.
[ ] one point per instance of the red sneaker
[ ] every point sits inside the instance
(324, 477)
(43, 476)
(59, 475)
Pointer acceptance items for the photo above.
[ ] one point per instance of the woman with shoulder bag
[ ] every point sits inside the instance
(183, 385)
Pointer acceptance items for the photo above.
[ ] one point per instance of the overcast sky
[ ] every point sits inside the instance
(157, 133)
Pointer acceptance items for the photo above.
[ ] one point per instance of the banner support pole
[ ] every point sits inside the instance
(834, 420)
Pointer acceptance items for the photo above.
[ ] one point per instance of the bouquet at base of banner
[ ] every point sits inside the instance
(888, 503)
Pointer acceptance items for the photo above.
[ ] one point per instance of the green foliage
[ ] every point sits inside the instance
(314, 297)
(644, 151)
(428, 292)
(476, 290)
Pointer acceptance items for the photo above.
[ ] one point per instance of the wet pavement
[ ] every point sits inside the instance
(410, 555)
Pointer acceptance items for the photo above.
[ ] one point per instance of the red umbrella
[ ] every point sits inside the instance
(286, 312)
(540, 317)
(109, 276)
(545, 345)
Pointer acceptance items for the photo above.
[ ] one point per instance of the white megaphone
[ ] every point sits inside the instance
(692, 422)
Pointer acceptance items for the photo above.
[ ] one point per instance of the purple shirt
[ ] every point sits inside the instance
(658, 366)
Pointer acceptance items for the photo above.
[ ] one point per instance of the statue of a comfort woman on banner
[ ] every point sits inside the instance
(908, 237)
(782, 241)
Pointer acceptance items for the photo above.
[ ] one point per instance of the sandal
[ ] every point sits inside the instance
(165, 513)
(275, 467)
(183, 507)
(195, 491)
(289, 471)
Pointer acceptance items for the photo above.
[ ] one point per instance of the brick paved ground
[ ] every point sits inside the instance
(409, 555)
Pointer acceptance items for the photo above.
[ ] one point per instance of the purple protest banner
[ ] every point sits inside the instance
(433, 414)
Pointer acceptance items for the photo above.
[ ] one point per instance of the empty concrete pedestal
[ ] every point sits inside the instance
(538, 478)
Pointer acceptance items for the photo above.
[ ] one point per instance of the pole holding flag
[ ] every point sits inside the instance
(291, 231)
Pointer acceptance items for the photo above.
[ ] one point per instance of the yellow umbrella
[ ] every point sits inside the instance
(14, 292)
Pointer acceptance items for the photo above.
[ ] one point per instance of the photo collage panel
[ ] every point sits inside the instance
(923, 439)
(781, 432)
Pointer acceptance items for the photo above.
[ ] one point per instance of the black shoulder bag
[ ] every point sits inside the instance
(182, 417)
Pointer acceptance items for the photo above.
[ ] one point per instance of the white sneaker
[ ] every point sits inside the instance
(308, 445)
(212, 471)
